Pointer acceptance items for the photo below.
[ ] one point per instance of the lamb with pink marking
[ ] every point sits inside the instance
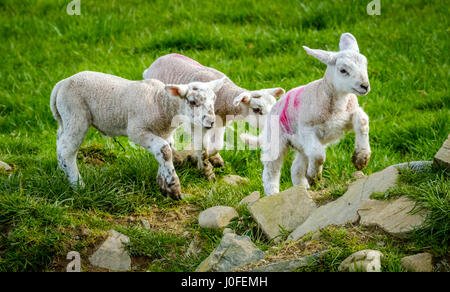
(310, 117)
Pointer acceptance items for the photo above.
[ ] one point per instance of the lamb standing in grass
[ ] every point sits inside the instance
(232, 102)
(140, 110)
(312, 116)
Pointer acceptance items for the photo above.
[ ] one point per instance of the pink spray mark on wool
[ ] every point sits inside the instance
(188, 59)
(285, 119)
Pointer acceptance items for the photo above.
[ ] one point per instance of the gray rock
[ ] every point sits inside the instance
(233, 252)
(289, 265)
(227, 230)
(4, 166)
(112, 255)
(145, 224)
(362, 261)
(442, 157)
(288, 209)
(235, 180)
(393, 216)
(216, 217)
(344, 210)
(253, 197)
(421, 262)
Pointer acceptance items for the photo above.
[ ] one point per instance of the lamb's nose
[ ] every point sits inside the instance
(365, 86)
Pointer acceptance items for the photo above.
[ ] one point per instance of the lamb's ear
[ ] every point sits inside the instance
(177, 90)
(348, 42)
(216, 85)
(328, 58)
(244, 97)
(275, 92)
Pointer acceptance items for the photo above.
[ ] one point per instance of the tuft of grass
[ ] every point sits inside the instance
(341, 242)
(163, 251)
(33, 232)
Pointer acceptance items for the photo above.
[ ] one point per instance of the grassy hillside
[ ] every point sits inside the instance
(258, 45)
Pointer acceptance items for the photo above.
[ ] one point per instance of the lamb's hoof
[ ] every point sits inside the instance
(171, 188)
(177, 158)
(361, 159)
(208, 171)
(217, 160)
(209, 174)
(211, 177)
(78, 185)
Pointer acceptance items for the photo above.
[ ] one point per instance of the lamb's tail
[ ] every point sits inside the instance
(254, 141)
(53, 97)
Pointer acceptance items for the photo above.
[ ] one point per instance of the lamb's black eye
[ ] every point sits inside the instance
(343, 71)
(193, 103)
(257, 111)
(194, 88)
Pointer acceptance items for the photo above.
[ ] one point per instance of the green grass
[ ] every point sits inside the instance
(257, 44)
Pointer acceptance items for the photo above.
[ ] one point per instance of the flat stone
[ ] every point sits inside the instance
(235, 180)
(233, 252)
(216, 217)
(253, 197)
(345, 209)
(289, 265)
(393, 216)
(112, 255)
(4, 166)
(288, 209)
(442, 157)
(362, 261)
(421, 262)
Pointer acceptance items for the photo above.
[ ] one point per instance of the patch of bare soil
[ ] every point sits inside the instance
(172, 220)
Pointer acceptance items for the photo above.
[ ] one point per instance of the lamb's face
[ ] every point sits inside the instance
(258, 102)
(198, 99)
(348, 66)
(350, 73)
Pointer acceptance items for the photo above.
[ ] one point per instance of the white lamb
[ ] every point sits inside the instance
(140, 110)
(310, 117)
(232, 103)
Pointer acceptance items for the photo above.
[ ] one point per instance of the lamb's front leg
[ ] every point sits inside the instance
(216, 138)
(362, 153)
(177, 158)
(315, 152)
(168, 180)
(204, 165)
